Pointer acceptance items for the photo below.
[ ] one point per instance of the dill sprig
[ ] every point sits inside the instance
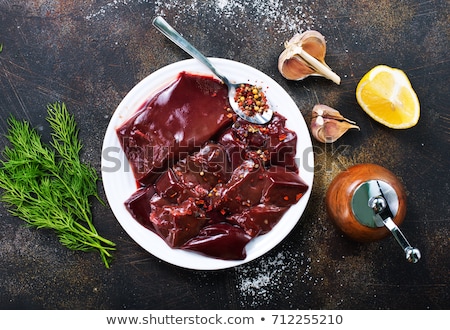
(48, 186)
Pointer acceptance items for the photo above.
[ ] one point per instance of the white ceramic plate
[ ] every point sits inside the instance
(119, 182)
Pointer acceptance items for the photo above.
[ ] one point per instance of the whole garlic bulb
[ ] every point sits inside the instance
(304, 56)
(328, 125)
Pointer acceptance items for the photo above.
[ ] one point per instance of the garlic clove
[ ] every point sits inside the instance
(331, 130)
(304, 55)
(294, 68)
(328, 112)
(328, 125)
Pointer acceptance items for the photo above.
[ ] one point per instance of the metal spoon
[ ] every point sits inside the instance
(169, 32)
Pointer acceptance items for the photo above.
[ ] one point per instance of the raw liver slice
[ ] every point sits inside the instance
(277, 143)
(176, 223)
(259, 219)
(222, 241)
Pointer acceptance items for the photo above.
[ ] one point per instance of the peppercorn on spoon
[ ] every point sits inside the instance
(255, 117)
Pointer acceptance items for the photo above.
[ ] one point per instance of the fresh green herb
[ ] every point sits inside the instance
(48, 186)
(1, 47)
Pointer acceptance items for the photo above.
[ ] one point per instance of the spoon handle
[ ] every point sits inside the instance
(166, 29)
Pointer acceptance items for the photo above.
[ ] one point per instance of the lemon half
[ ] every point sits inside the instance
(386, 95)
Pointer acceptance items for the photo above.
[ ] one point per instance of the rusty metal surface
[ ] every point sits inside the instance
(89, 54)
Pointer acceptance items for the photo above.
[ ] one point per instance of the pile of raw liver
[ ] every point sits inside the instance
(208, 181)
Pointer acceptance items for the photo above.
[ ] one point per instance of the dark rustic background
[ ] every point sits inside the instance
(90, 53)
